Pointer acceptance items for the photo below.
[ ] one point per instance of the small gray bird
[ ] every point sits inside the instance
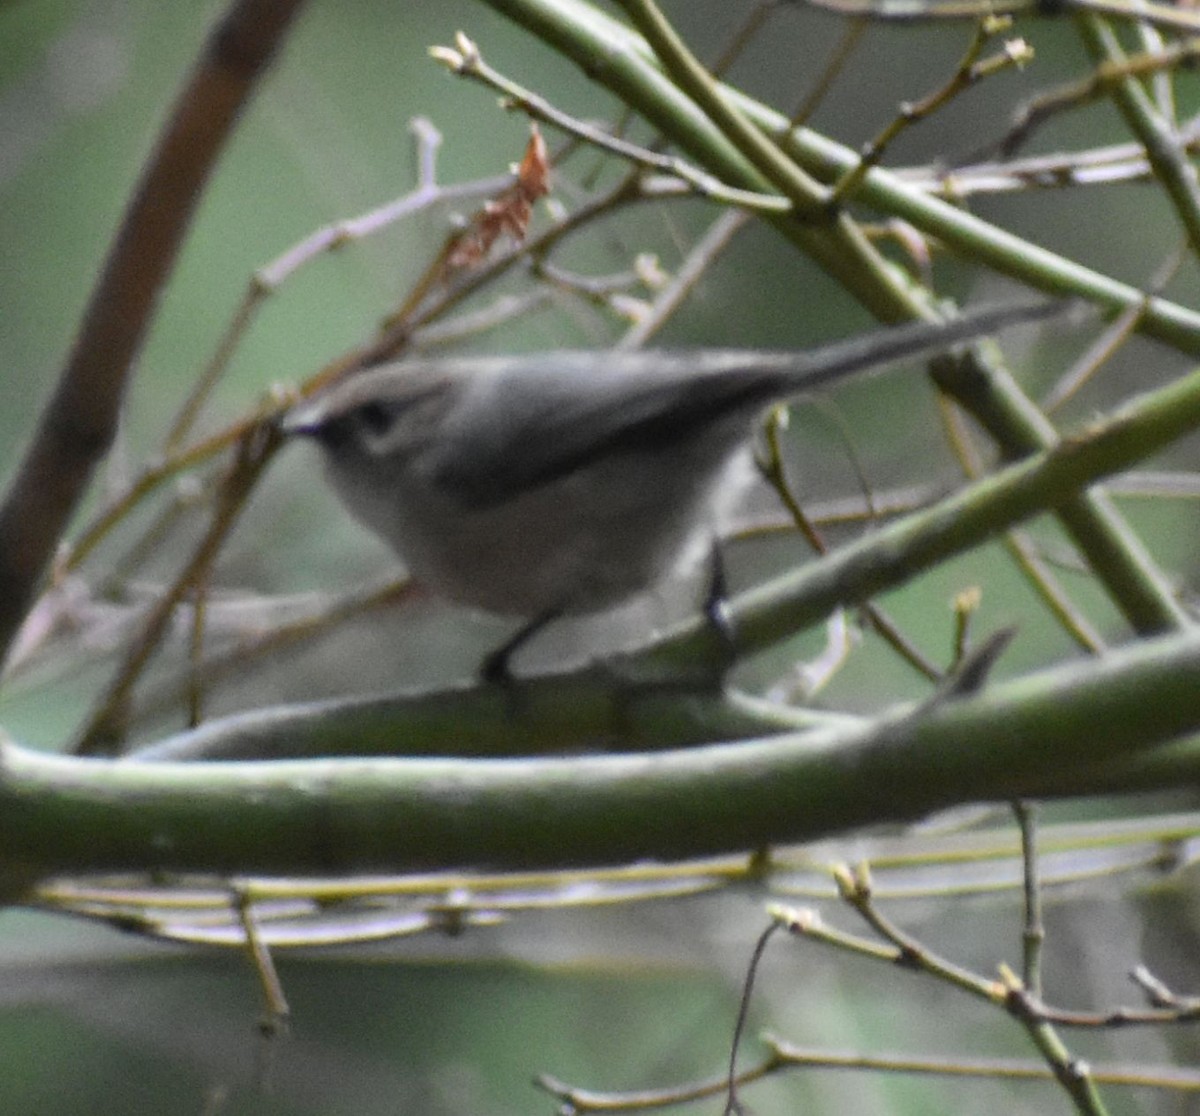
(541, 485)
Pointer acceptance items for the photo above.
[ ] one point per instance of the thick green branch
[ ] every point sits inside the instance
(550, 714)
(63, 814)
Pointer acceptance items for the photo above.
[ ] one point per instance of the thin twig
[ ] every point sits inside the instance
(106, 725)
(195, 683)
(786, 1056)
(1073, 1074)
(1100, 83)
(1173, 171)
(268, 278)
(1162, 15)
(1018, 543)
(966, 605)
(255, 651)
(1115, 334)
(275, 1020)
(1033, 935)
(838, 58)
(1039, 1021)
(971, 70)
(719, 235)
(151, 477)
(1097, 166)
(465, 60)
(732, 1105)
(771, 464)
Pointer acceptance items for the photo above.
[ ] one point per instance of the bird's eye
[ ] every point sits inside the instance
(376, 418)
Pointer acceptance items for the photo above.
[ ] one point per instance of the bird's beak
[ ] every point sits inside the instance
(304, 420)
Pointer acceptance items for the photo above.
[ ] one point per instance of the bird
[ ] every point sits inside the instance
(566, 482)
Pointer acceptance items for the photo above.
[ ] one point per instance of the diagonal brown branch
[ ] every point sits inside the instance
(79, 422)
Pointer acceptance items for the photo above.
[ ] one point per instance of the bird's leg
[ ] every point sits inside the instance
(716, 604)
(495, 664)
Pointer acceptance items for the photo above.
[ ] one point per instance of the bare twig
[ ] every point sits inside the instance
(1018, 543)
(1008, 991)
(1107, 74)
(904, 11)
(771, 464)
(786, 1056)
(1098, 166)
(719, 235)
(255, 650)
(1114, 335)
(275, 1002)
(972, 69)
(268, 278)
(107, 724)
(732, 1104)
(833, 67)
(1033, 936)
(465, 59)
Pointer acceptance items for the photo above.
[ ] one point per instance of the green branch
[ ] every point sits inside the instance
(613, 55)
(62, 814)
(1173, 170)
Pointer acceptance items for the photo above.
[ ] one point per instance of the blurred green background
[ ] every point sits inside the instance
(94, 1022)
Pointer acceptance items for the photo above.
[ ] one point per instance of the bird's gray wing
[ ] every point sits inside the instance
(550, 416)
(539, 418)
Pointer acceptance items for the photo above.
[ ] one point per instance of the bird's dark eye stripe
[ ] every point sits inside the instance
(376, 417)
